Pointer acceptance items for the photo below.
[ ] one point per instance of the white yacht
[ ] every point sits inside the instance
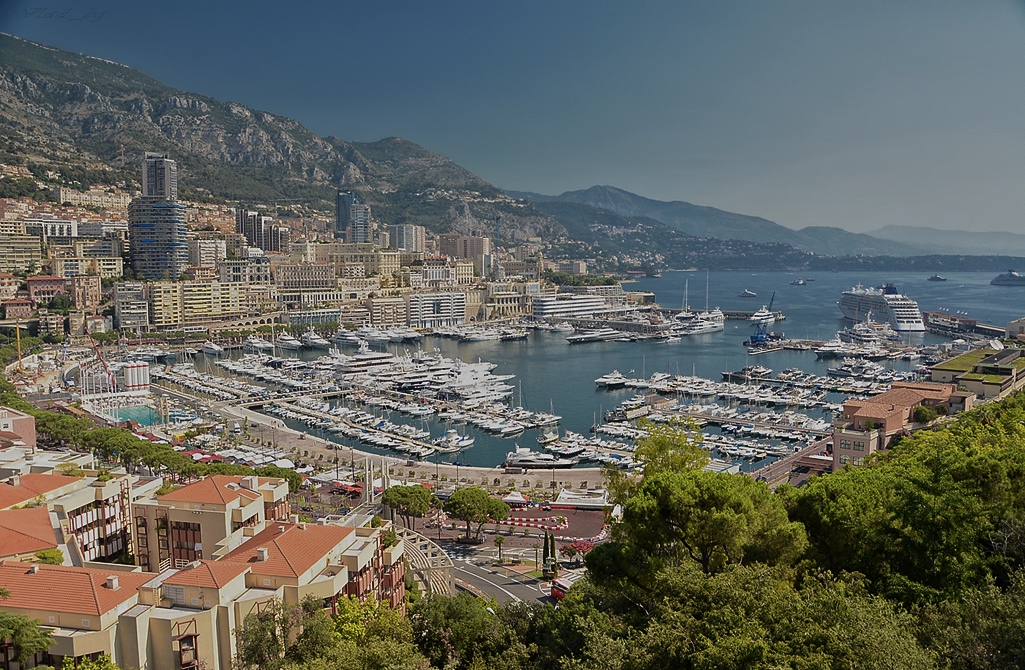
(886, 303)
(344, 336)
(286, 341)
(257, 343)
(763, 317)
(597, 335)
(212, 349)
(453, 441)
(706, 322)
(311, 340)
(612, 380)
(523, 457)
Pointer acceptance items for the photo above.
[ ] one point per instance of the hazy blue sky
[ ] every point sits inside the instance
(853, 113)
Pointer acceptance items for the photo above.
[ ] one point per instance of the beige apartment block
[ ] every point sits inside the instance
(205, 519)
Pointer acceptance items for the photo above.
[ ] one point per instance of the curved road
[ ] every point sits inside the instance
(503, 585)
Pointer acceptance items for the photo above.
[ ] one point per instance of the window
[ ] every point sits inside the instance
(845, 444)
(844, 459)
(859, 446)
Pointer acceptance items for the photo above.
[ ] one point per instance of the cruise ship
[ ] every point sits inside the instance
(1009, 278)
(886, 304)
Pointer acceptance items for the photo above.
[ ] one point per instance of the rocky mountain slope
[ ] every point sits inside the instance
(57, 108)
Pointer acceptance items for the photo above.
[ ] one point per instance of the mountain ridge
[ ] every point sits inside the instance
(707, 221)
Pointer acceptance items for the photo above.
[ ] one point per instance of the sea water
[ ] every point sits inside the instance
(552, 375)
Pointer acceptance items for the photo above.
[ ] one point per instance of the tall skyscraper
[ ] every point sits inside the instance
(156, 223)
(343, 204)
(359, 223)
(159, 177)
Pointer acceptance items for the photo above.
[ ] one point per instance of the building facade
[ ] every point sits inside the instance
(159, 177)
(360, 230)
(43, 288)
(157, 241)
(206, 252)
(86, 291)
(432, 310)
(20, 253)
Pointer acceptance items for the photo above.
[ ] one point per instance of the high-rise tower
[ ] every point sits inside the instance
(343, 217)
(159, 177)
(156, 222)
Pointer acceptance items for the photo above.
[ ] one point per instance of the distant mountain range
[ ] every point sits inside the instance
(97, 118)
(701, 221)
(933, 241)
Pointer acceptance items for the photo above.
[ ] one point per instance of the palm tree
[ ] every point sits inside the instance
(499, 541)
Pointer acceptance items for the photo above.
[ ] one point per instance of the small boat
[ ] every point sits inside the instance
(747, 294)
(548, 437)
(936, 278)
(797, 282)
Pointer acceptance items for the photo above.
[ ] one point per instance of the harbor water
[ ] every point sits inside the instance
(552, 375)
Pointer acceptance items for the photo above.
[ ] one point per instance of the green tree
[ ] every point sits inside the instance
(757, 617)
(409, 502)
(464, 632)
(101, 663)
(24, 635)
(668, 447)
(472, 504)
(281, 634)
(982, 630)
(710, 519)
(499, 542)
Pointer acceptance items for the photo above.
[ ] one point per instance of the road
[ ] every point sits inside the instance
(503, 585)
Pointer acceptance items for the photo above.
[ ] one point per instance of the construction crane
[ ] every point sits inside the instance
(111, 379)
(17, 337)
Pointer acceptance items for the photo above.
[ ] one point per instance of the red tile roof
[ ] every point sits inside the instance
(292, 551)
(25, 531)
(214, 490)
(30, 486)
(63, 588)
(208, 574)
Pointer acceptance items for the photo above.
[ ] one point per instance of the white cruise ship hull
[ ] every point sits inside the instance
(898, 310)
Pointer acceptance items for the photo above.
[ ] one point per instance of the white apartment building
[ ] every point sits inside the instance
(431, 310)
(567, 306)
